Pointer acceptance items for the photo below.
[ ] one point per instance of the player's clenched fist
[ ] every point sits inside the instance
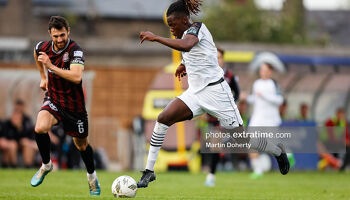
(147, 36)
(44, 59)
(180, 71)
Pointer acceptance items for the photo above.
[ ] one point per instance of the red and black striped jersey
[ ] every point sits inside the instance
(62, 92)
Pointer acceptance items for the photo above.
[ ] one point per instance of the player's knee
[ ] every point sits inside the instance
(13, 145)
(81, 147)
(41, 129)
(164, 119)
(24, 142)
(2, 143)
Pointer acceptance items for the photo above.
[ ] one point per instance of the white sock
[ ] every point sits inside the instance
(256, 166)
(91, 176)
(47, 166)
(152, 157)
(210, 177)
(157, 140)
(263, 145)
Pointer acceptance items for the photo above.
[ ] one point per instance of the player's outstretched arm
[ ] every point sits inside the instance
(74, 75)
(276, 99)
(184, 44)
(39, 65)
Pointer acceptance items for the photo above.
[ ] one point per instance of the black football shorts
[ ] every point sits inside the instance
(75, 124)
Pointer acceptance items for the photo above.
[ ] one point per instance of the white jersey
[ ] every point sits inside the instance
(266, 106)
(201, 62)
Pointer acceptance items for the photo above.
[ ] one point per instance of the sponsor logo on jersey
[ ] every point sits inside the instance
(77, 61)
(232, 122)
(78, 54)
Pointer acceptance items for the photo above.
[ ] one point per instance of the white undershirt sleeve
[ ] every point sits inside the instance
(251, 99)
(273, 98)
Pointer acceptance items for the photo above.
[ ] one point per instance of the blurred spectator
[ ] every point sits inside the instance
(283, 110)
(2, 135)
(18, 135)
(346, 160)
(338, 120)
(229, 76)
(304, 110)
(243, 110)
(267, 99)
(336, 134)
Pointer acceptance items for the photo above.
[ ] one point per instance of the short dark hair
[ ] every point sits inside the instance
(304, 105)
(185, 7)
(270, 66)
(222, 51)
(340, 109)
(19, 102)
(58, 23)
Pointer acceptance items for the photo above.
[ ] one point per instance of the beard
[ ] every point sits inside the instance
(60, 45)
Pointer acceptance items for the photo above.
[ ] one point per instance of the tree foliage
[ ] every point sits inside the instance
(243, 21)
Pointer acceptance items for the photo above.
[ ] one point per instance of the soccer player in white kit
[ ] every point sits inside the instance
(207, 92)
(266, 98)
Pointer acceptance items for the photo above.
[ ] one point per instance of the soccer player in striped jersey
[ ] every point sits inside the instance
(207, 91)
(64, 99)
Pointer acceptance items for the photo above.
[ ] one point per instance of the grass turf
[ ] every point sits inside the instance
(15, 184)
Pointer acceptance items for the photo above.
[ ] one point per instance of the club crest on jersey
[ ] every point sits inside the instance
(65, 57)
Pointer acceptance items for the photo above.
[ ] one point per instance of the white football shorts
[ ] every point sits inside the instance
(217, 100)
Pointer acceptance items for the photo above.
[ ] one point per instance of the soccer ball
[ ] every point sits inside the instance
(124, 187)
(265, 162)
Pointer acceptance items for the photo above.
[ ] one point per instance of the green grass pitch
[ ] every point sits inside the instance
(15, 184)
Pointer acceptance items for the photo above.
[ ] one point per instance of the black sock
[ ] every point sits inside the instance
(43, 142)
(214, 162)
(88, 159)
(4, 165)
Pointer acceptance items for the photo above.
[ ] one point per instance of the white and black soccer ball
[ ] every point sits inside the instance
(124, 187)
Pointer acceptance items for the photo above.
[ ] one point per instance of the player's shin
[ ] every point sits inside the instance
(157, 140)
(44, 143)
(88, 159)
